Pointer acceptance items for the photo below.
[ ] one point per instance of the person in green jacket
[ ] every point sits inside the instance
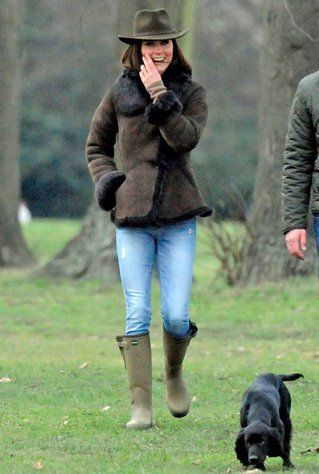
(301, 167)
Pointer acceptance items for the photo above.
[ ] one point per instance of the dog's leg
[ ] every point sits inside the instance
(287, 464)
(285, 418)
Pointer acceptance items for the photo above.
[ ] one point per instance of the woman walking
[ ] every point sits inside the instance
(157, 113)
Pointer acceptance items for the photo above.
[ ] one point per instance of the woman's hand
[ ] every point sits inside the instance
(296, 241)
(148, 73)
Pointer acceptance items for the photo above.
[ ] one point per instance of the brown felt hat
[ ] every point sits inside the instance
(152, 25)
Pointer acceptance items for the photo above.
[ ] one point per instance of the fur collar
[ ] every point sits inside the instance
(131, 98)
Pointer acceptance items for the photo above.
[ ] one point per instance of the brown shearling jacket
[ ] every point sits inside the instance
(154, 142)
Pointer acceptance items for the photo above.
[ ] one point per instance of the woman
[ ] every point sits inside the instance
(157, 113)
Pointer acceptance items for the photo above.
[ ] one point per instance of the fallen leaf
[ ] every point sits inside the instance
(305, 451)
(39, 465)
(65, 420)
(84, 365)
(194, 399)
(310, 450)
(5, 380)
(106, 408)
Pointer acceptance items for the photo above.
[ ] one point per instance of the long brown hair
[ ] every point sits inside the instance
(132, 58)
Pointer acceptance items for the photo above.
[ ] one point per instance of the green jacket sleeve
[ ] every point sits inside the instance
(299, 158)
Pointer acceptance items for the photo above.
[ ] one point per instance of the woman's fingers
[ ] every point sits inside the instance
(146, 66)
(150, 66)
(148, 72)
(149, 63)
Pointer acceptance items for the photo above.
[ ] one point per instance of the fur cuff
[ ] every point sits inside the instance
(159, 111)
(105, 189)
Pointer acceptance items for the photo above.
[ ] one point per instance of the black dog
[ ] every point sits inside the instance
(265, 421)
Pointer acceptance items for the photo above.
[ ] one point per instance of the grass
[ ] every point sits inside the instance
(51, 415)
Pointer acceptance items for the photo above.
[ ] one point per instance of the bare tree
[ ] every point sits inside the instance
(290, 51)
(13, 249)
(92, 252)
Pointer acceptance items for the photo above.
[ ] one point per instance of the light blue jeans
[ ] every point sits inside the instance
(174, 247)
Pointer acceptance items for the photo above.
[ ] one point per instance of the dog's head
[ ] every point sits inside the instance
(255, 442)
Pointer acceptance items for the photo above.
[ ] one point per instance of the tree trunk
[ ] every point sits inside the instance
(91, 254)
(13, 249)
(290, 51)
(188, 20)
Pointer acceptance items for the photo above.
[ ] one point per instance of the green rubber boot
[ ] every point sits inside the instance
(136, 352)
(177, 396)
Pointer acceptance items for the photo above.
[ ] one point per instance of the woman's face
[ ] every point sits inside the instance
(161, 53)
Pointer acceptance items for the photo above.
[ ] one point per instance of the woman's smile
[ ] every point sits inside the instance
(161, 53)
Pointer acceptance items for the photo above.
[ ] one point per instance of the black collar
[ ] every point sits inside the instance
(130, 96)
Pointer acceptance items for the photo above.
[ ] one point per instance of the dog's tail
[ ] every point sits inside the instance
(288, 378)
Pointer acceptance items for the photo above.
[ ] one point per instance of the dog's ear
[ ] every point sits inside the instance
(275, 444)
(240, 448)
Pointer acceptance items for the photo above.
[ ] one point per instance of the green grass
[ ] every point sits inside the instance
(47, 236)
(51, 411)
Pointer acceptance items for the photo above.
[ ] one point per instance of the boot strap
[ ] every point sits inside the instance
(126, 343)
(121, 345)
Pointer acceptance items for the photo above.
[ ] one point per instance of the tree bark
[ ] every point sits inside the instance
(290, 51)
(13, 249)
(188, 20)
(91, 254)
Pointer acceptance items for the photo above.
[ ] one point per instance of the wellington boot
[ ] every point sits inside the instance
(177, 396)
(136, 352)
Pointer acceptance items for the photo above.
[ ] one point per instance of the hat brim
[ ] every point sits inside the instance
(137, 39)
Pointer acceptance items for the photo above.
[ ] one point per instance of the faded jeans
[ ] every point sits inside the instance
(174, 247)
